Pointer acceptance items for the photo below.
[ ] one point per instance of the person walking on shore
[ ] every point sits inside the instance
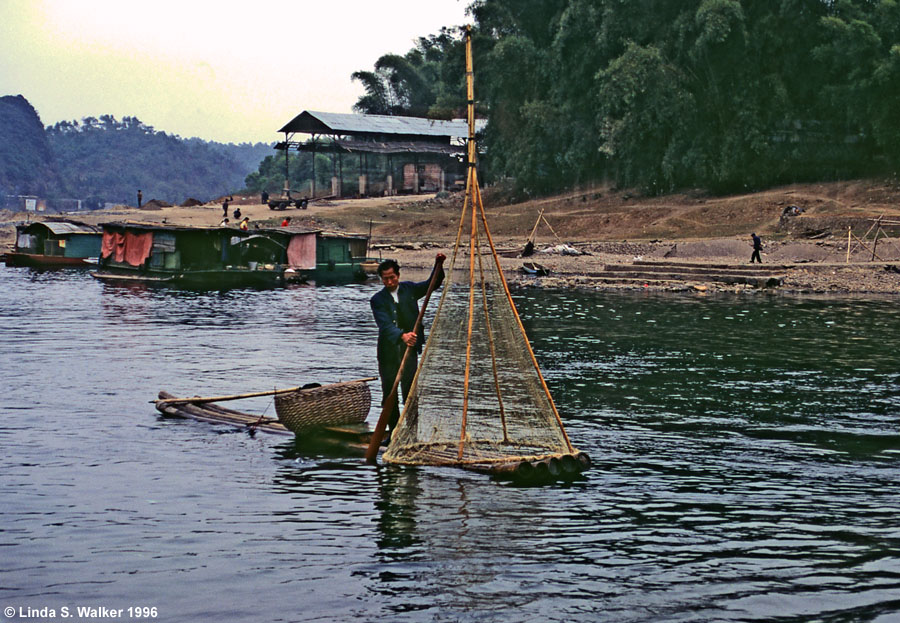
(757, 247)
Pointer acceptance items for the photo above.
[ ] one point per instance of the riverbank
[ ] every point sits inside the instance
(618, 234)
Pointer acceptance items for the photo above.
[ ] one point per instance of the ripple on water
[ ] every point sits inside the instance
(746, 464)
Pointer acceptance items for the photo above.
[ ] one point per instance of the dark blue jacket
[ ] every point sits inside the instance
(395, 319)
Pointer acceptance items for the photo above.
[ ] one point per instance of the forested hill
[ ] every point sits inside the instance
(103, 160)
(27, 164)
(726, 95)
(106, 160)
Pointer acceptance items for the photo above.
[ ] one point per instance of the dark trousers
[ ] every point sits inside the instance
(755, 256)
(388, 366)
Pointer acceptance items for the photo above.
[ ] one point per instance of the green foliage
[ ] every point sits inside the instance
(722, 94)
(106, 160)
(428, 81)
(27, 165)
(271, 173)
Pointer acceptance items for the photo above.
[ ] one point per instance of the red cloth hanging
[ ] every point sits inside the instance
(128, 247)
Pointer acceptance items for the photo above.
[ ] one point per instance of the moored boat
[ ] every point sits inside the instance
(55, 243)
(189, 257)
(533, 268)
(322, 256)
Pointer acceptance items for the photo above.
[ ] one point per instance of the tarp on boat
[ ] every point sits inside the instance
(129, 247)
(301, 251)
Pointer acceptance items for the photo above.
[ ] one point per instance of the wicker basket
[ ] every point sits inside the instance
(328, 405)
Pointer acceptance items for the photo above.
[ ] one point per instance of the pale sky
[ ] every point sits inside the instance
(220, 70)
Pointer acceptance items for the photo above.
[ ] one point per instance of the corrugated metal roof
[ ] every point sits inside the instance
(62, 228)
(310, 121)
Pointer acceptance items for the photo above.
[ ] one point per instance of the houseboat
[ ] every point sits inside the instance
(189, 257)
(321, 256)
(55, 243)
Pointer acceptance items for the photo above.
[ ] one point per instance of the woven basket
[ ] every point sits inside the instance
(328, 405)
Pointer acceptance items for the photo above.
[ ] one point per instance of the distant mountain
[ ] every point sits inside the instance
(27, 163)
(107, 160)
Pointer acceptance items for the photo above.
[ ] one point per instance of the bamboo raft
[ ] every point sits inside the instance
(352, 439)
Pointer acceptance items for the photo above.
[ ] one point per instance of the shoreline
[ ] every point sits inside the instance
(412, 229)
(588, 273)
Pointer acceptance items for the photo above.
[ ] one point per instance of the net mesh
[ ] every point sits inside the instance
(478, 395)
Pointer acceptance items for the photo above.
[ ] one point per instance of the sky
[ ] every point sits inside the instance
(220, 70)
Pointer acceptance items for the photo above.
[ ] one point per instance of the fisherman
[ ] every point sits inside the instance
(396, 309)
(757, 247)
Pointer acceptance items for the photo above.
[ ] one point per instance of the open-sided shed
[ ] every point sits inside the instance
(429, 151)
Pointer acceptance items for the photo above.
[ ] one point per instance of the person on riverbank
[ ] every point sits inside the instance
(224, 222)
(245, 224)
(757, 247)
(396, 309)
(225, 206)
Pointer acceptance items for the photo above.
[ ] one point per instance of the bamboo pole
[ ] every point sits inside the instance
(877, 231)
(558, 239)
(512, 305)
(271, 392)
(847, 261)
(534, 229)
(866, 247)
(473, 239)
(490, 334)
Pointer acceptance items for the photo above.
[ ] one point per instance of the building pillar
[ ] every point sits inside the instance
(362, 186)
(312, 189)
(389, 190)
(335, 186)
(443, 180)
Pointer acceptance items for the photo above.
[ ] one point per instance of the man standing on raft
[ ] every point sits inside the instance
(396, 310)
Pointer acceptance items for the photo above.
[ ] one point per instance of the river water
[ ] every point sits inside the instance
(746, 449)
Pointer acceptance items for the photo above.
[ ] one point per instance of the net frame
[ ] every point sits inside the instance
(527, 424)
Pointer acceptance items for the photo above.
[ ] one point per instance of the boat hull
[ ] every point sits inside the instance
(213, 279)
(35, 260)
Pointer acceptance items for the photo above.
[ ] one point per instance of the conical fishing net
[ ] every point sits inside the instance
(478, 396)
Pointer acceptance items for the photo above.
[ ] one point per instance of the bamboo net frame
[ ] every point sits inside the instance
(479, 396)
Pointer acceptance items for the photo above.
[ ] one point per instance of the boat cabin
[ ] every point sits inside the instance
(321, 256)
(203, 257)
(59, 242)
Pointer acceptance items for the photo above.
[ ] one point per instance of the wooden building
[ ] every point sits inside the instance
(426, 155)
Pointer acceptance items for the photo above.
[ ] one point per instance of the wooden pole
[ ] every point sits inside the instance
(534, 229)
(877, 225)
(490, 334)
(378, 433)
(847, 261)
(512, 305)
(473, 241)
(558, 239)
(866, 247)
(273, 392)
